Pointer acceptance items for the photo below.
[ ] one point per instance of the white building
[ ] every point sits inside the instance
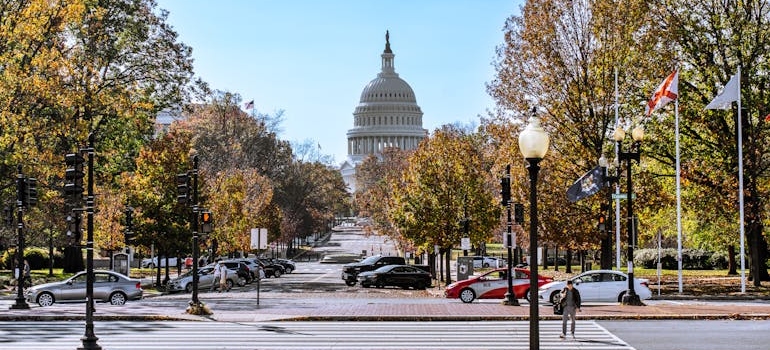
(386, 116)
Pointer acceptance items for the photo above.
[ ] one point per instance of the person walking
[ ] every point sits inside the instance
(570, 302)
(217, 276)
(223, 278)
(27, 281)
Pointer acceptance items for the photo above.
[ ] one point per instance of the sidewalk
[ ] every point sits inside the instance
(318, 306)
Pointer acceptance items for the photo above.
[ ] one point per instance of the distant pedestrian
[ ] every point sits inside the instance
(570, 302)
(223, 278)
(27, 274)
(217, 275)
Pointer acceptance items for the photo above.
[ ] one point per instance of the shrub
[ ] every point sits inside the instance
(36, 257)
(694, 259)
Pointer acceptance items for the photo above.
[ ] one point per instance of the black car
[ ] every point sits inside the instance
(288, 265)
(243, 270)
(403, 276)
(271, 269)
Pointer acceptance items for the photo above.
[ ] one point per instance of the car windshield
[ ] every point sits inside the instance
(370, 259)
(385, 268)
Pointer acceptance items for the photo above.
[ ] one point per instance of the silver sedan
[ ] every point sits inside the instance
(109, 287)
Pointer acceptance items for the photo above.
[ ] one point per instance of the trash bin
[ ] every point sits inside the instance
(121, 263)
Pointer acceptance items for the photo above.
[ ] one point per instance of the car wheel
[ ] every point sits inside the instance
(620, 297)
(45, 299)
(526, 294)
(486, 265)
(188, 288)
(151, 266)
(380, 285)
(467, 295)
(289, 269)
(277, 273)
(420, 286)
(118, 298)
(553, 296)
(365, 285)
(229, 283)
(350, 283)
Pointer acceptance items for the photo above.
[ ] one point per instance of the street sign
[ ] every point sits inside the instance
(623, 196)
(465, 243)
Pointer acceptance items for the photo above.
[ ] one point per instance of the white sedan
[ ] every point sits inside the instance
(597, 285)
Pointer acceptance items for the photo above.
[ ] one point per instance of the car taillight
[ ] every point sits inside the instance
(644, 284)
(138, 285)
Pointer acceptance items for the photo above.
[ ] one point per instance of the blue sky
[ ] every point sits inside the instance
(312, 58)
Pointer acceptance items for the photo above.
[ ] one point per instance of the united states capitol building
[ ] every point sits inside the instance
(387, 115)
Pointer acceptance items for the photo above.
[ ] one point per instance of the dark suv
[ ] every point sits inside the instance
(243, 270)
(271, 269)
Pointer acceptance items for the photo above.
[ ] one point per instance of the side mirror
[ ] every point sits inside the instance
(576, 282)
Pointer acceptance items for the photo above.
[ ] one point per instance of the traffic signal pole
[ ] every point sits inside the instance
(89, 338)
(196, 305)
(20, 303)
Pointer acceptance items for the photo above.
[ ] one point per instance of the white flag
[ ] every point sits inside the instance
(731, 93)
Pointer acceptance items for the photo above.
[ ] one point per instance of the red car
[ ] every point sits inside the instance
(492, 285)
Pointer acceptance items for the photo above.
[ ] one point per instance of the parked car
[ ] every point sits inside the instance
(205, 280)
(560, 260)
(597, 285)
(271, 269)
(109, 286)
(288, 265)
(241, 269)
(152, 263)
(254, 268)
(350, 271)
(487, 261)
(403, 276)
(492, 285)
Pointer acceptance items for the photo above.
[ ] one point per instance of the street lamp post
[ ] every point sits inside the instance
(533, 144)
(637, 134)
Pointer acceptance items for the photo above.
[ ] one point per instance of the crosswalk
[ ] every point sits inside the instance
(119, 335)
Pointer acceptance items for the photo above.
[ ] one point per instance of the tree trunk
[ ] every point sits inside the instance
(545, 257)
(731, 267)
(758, 254)
(556, 258)
(447, 256)
(569, 261)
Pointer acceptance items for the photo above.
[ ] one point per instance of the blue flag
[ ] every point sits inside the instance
(588, 184)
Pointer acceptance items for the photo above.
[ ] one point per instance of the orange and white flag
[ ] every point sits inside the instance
(665, 93)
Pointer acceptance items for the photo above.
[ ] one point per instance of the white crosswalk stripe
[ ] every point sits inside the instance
(118, 335)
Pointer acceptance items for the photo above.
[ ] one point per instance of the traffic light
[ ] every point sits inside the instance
(8, 216)
(129, 230)
(73, 176)
(505, 191)
(184, 189)
(518, 213)
(73, 227)
(30, 195)
(602, 218)
(206, 222)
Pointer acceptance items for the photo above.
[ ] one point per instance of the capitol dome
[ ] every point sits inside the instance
(387, 115)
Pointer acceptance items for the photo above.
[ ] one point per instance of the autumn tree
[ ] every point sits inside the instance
(446, 179)
(561, 57)
(714, 39)
(377, 178)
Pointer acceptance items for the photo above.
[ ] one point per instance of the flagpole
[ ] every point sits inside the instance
(617, 184)
(678, 197)
(740, 183)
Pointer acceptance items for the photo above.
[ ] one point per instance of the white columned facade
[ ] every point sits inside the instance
(387, 116)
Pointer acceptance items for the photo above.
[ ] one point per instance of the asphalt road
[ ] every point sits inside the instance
(689, 335)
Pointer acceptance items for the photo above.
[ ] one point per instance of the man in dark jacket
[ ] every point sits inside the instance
(570, 301)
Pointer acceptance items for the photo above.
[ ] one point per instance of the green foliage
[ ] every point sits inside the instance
(36, 257)
(692, 259)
